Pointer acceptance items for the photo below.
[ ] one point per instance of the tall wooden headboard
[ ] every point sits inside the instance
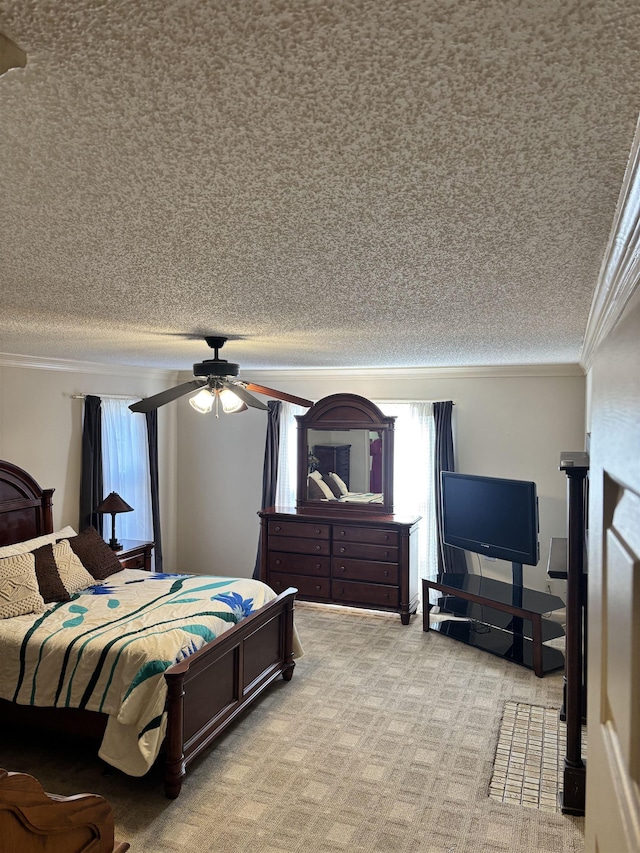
(25, 508)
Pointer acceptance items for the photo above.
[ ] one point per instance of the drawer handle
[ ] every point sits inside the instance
(386, 573)
(386, 595)
(318, 587)
(343, 533)
(342, 569)
(318, 547)
(318, 531)
(318, 565)
(386, 553)
(341, 591)
(278, 562)
(342, 550)
(277, 528)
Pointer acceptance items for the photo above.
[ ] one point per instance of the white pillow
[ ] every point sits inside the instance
(72, 573)
(340, 483)
(19, 593)
(31, 544)
(316, 476)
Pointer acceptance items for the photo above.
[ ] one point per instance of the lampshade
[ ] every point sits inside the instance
(114, 503)
(206, 398)
(231, 402)
(202, 401)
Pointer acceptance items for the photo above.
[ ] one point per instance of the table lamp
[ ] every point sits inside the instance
(114, 504)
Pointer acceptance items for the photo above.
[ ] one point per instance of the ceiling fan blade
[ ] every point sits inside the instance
(240, 391)
(279, 395)
(151, 403)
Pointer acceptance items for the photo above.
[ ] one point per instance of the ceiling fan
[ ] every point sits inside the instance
(217, 384)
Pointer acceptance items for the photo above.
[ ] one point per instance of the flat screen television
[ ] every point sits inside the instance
(491, 516)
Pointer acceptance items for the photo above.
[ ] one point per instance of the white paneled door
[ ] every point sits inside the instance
(613, 717)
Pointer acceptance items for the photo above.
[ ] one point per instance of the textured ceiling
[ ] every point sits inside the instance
(333, 183)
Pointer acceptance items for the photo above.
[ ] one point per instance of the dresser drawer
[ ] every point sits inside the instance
(365, 593)
(361, 570)
(365, 552)
(375, 536)
(299, 546)
(313, 587)
(279, 561)
(308, 530)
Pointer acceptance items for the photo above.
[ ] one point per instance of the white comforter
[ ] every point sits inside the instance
(107, 649)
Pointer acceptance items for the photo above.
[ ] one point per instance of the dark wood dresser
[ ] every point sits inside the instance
(359, 559)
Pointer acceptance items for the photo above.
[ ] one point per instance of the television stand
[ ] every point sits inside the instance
(505, 620)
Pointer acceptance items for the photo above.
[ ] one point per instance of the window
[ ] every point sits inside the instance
(125, 467)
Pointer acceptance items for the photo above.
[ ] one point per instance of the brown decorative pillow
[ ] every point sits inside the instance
(94, 554)
(314, 492)
(332, 485)
(49, 582)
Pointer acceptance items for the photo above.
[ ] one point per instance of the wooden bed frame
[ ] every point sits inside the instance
(206, 692)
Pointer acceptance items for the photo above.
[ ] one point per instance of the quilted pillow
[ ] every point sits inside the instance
(19, 593)
(94, 554)
(49, 582)
(72, 573)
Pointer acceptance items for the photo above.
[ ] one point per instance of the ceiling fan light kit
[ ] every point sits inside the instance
(216, 382)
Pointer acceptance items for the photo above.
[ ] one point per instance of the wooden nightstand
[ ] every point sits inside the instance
(135, 555)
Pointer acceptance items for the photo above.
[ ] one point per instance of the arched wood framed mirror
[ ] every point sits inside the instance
(345, 456)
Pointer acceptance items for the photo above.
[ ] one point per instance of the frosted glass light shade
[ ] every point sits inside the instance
(231, 402)
(202, 401)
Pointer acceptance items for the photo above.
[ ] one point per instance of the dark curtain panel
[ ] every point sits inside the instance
(270, 467)
(449, 559)
(91, 473)
(152, 438)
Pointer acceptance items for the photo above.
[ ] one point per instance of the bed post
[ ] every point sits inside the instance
(174, 760)
(289, 663)
(47, 510)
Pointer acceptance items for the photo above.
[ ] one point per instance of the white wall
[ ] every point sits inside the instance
(507, 423)
(41, 429)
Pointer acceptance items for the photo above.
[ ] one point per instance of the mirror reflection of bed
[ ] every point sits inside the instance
(345, 465)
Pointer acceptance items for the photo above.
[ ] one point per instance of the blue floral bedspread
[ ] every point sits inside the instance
(107, 649)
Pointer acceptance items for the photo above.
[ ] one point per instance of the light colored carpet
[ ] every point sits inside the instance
(384, 741)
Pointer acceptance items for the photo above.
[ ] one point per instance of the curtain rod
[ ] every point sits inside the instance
(106, 396)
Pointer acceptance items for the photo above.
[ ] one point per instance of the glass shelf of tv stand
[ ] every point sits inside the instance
(502, 629)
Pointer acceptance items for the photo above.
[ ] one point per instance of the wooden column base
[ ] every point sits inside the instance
(572, 797)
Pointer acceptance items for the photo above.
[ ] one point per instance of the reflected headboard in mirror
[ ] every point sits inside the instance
(345, 455)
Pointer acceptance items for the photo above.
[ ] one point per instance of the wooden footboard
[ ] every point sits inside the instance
(208, 690)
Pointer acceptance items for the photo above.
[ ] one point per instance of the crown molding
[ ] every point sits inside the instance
(67, 365)
(337, 374)
(620, 270)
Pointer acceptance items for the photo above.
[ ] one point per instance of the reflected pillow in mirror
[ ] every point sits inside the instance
(335, 491)
(340, 483)
(318, 490)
